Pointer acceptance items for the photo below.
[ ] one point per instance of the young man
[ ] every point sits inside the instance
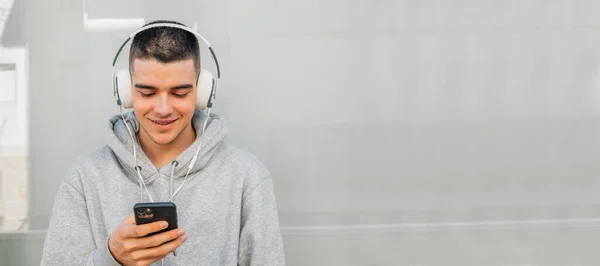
(226, 207)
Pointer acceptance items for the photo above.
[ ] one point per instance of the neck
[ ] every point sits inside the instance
(161, 155)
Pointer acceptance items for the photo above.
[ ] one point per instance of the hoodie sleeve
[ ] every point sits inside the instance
(261, 242)
(69, 239)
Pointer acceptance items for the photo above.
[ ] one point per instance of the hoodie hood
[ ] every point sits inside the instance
(121, 143)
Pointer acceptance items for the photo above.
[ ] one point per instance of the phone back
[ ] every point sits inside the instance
(149, 212)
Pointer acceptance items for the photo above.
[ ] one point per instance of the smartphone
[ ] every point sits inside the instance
(149, 212)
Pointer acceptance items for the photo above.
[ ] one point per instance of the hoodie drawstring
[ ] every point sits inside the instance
(138, 169)
(195, 156)
(173, 165)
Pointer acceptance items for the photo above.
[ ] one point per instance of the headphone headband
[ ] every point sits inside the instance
(171, 25)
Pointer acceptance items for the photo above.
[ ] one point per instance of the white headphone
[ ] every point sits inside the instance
(207, 84)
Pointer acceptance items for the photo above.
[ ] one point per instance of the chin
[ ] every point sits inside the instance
(162, 140)
(163, 137)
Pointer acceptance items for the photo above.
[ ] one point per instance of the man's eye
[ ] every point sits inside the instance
(146, 94)
(180, 95)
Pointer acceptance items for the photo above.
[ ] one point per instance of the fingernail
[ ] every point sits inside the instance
(180, 232)
(184, 238)
(164, 224)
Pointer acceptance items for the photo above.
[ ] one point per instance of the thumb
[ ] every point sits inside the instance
(130, 219)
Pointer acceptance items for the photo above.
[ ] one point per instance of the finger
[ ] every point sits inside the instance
(130, 219)
(160, 251)
(159, 239)
(123, 229)
(145, 229)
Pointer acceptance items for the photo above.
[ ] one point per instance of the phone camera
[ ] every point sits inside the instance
(145, 213)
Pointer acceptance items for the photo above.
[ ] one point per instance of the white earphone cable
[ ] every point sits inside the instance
(191, 165)
(193, 161)
(137, 167)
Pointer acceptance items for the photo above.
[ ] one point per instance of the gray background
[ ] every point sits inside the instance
(430, 132)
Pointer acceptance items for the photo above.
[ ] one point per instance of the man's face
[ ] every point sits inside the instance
(164, 98)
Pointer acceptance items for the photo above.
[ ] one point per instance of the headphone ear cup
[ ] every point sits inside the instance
(205, 86)
(124, 88)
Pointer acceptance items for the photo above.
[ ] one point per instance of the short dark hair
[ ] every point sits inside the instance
(165, 44)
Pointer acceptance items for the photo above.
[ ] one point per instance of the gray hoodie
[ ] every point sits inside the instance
(226, 205)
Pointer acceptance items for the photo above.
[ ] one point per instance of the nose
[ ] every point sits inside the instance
(163, 107)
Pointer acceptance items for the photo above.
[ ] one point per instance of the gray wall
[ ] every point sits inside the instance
(398, 132)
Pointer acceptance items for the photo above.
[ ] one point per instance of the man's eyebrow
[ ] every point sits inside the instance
(183, 86)
(178, 87)
(143, 86)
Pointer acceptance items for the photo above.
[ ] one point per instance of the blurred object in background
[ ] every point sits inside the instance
(13, 124)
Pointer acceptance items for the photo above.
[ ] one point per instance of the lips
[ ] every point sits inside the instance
(163, 122)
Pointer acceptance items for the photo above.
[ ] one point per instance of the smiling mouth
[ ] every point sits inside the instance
(163, 122)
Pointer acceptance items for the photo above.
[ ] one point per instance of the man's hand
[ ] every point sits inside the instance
(128, 245)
